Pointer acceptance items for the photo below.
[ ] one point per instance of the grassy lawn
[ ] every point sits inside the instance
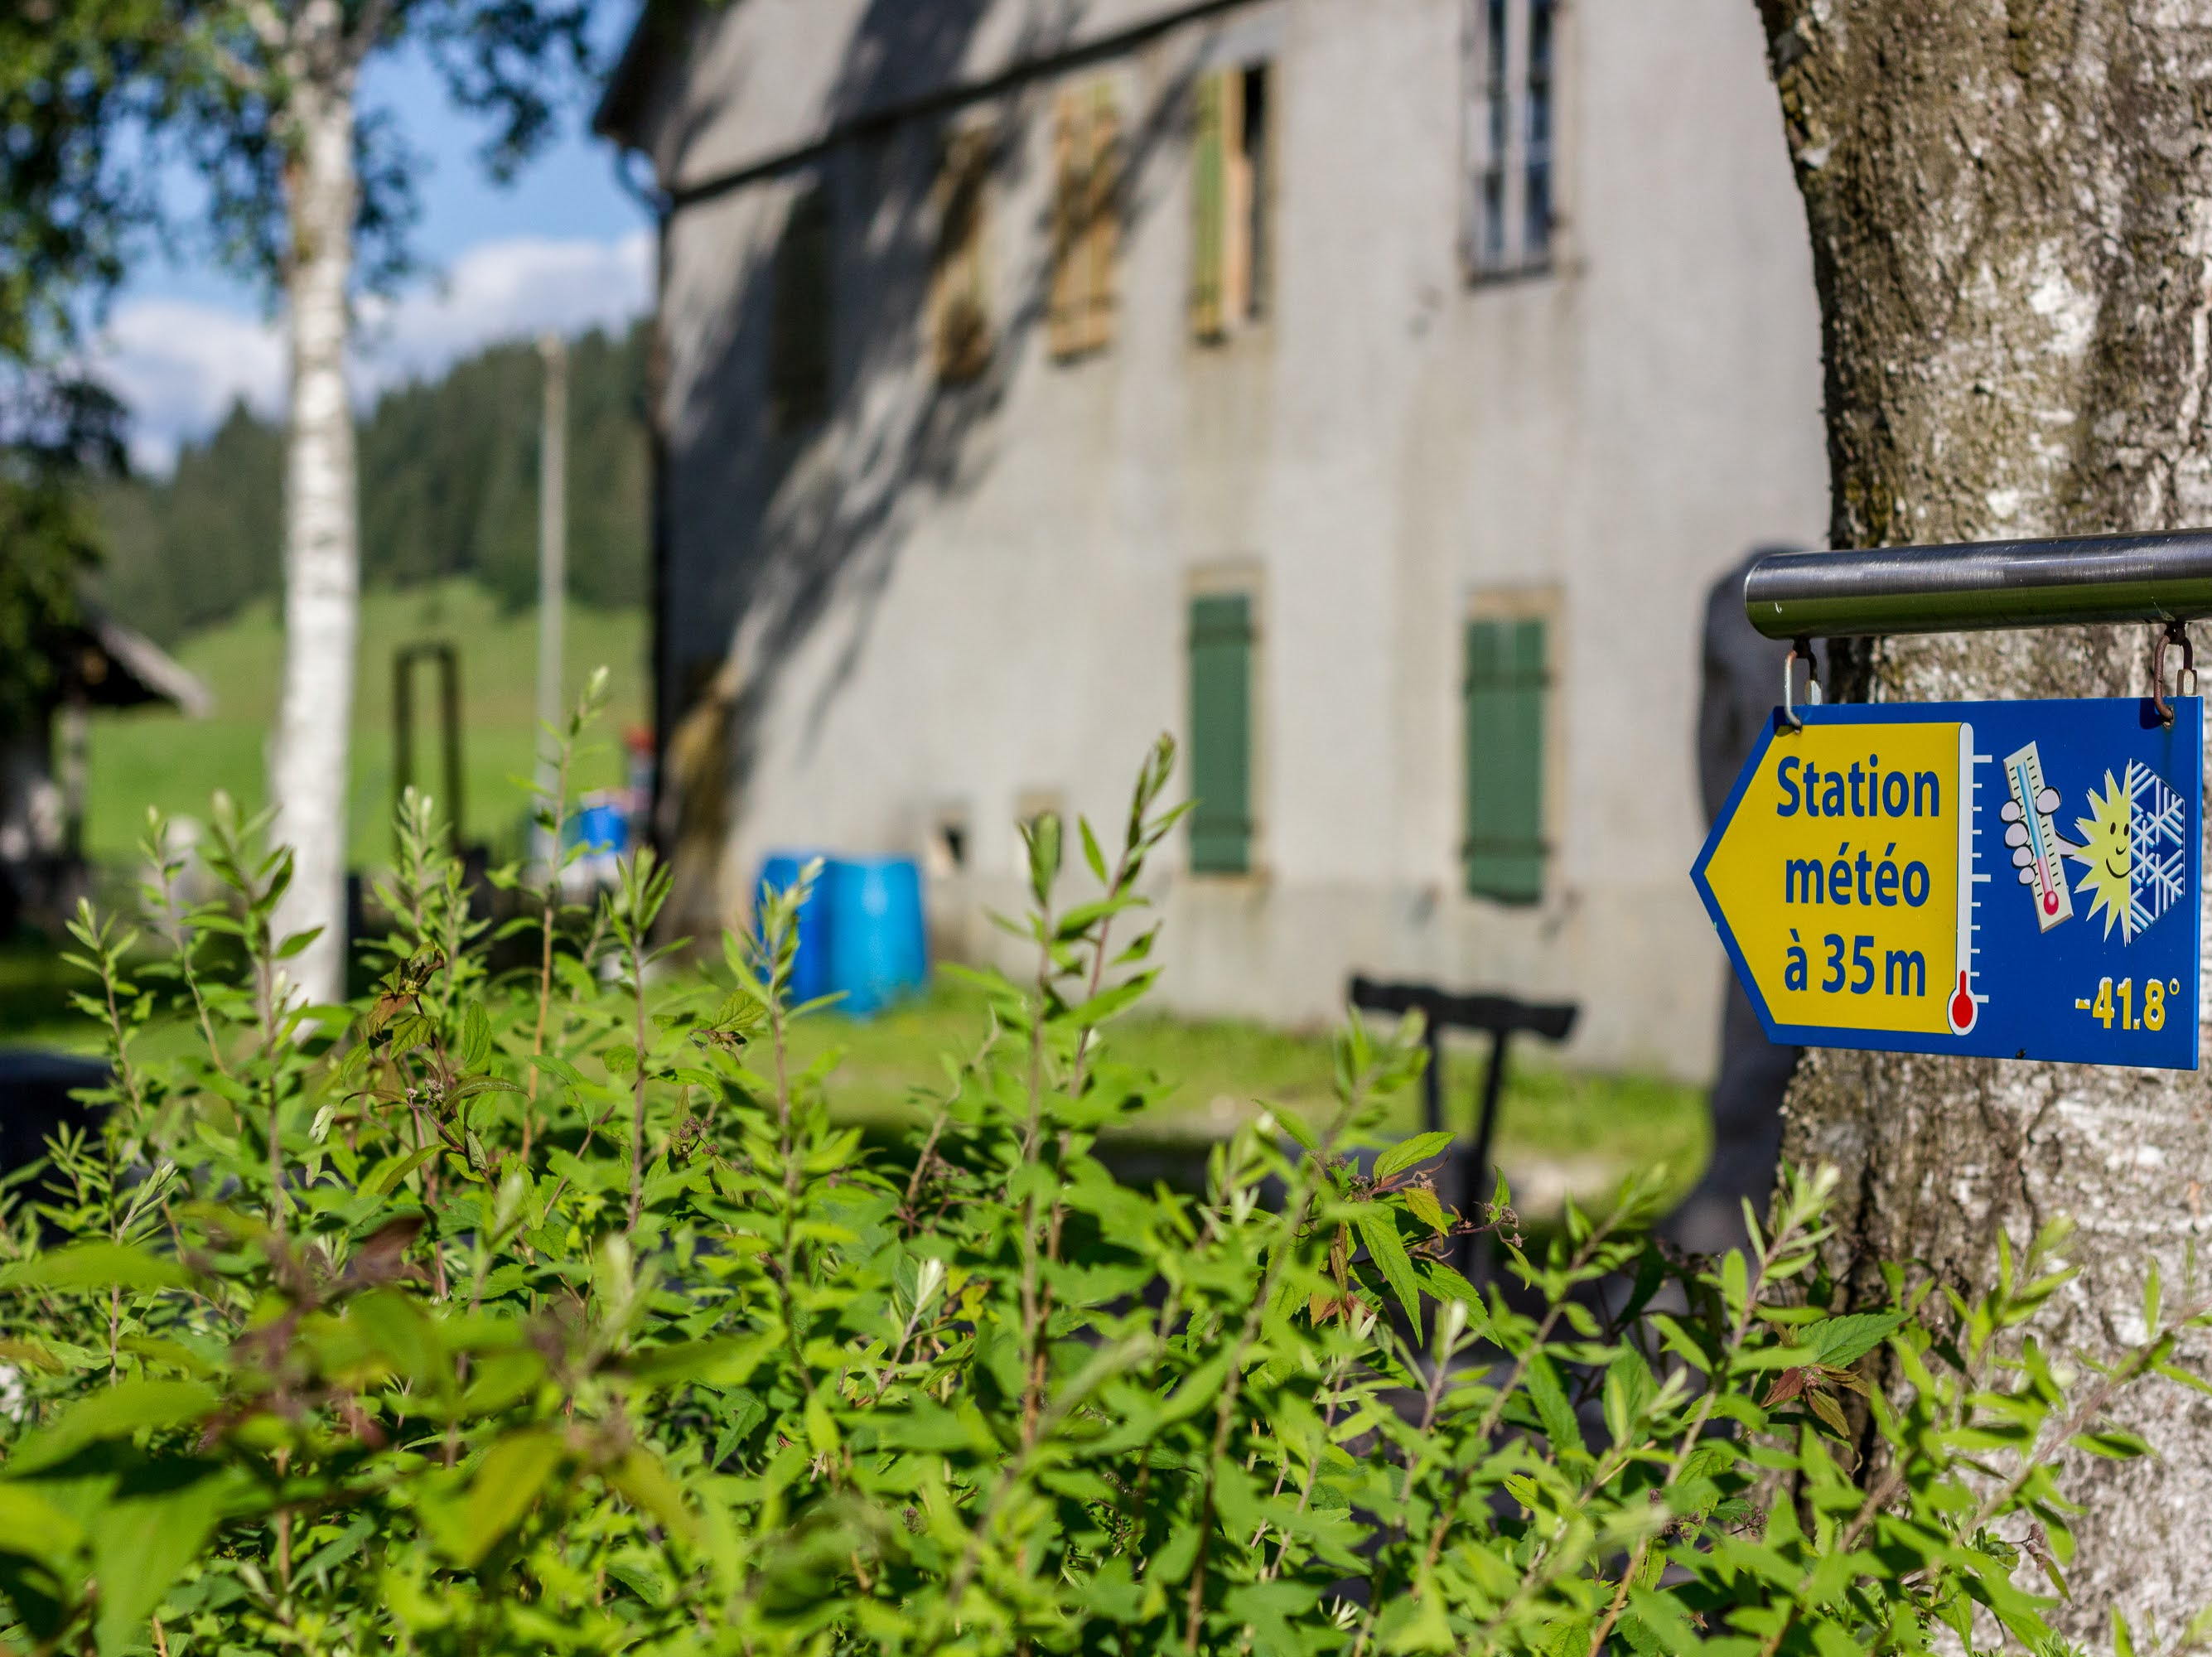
(1558, 1130)
(153, 756)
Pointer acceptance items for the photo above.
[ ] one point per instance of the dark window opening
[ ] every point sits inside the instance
(800, 328)
(1536, 205)
(1257, 163)
(1497, 128)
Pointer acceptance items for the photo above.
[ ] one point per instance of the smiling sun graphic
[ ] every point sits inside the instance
(2131, 845)
(2104, 848)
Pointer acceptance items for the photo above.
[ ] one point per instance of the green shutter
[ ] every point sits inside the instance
(1208, 196)
(1221, 734)
(1504, 709)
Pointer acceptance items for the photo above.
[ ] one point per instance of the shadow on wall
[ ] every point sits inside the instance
(807, 515)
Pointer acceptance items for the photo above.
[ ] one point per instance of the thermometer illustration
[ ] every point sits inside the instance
(2037, 846)
(1965, 1007)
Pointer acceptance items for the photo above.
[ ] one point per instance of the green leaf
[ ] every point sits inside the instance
(32, 1527)
(2112, 1443)
(387, 1177)
(1422, 1203)
(1297, 1128)
(1823, 1404)
(729, 1362)
(143, 1540)
(506, 1485)
(97, 1266)
(1042, 832)
(642, 1478)
(114, 1411)
(1553, 1409)
(1406, 1152)
(475, 1036)
(1841, 1342)
(1106, 1002)
(1378, 1229)
(1091, 855)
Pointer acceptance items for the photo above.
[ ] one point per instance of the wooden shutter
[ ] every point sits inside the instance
(959, 295)
(1068, 307)
(1103, 220)
(1209, 188)
(1085, 220)
(1221, 734)
(1505, 690)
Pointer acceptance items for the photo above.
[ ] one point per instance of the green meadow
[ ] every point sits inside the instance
(154, 757)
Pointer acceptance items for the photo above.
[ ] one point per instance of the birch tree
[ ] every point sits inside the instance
(260, 98)
(2010, 206)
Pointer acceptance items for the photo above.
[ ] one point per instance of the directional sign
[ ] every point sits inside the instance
(2014, 880)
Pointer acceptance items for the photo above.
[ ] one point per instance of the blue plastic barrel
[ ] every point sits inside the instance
(601, 827)
(810, 967)
(877, 950)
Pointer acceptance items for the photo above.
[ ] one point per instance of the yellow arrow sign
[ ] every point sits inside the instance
(1839, 872)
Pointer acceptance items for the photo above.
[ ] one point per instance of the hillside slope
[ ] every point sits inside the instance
(448, 488)
(155, 757)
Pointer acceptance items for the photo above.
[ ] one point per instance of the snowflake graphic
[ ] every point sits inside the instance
(2158, 821)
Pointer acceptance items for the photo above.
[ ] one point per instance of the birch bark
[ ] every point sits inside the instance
(2010, 205)
(321, 509)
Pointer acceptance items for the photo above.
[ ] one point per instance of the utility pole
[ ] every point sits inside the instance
(552, 557)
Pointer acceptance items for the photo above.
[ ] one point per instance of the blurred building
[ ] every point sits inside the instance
(96, 661)
(1366, 391)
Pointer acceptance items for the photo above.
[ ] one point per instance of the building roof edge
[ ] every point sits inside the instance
(661, 25)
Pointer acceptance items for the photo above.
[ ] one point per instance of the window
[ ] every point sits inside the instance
(799, 328)
(959, 289)
(1511, 211)
(1508, 675)
(1231, 189)
(1221, 638)
(1086, 224)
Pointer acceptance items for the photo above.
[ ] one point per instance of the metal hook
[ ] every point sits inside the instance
(1800, 651)
(2184, 682)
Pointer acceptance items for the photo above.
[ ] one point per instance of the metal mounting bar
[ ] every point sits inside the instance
(1982, 585)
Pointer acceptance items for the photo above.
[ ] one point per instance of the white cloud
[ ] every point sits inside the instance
(504, 290)
(180, 364)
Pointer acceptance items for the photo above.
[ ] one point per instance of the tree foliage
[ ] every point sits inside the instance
(449, 487)
(555, 1312)
(96, 96)
(54, 429)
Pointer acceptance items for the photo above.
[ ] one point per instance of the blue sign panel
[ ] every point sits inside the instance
(2010, 880)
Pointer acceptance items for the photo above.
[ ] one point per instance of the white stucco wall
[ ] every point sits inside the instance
(993, 581)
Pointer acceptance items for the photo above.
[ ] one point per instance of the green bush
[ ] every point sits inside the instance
(552, 1312)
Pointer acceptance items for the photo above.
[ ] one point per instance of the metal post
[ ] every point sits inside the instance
(449, 698)
(402, 722)
(1477, 1182)
(1982, 586)
(552, 554)
(1432, 1076)
(447, 659)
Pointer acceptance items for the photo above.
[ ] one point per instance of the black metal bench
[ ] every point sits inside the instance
(1502, 1017)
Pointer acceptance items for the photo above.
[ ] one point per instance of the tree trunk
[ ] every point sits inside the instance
(321, 522)
(2010, 204)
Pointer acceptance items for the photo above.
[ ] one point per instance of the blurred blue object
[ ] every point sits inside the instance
(601, 827)
(810, 967)
(877, 948)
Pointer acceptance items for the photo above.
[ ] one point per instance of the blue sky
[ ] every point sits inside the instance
(564, 246)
